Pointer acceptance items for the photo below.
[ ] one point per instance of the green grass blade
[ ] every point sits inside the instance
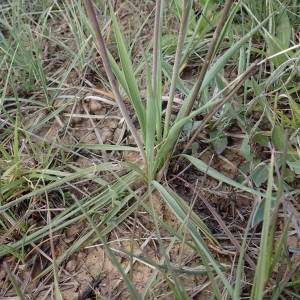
(150, 127)
(203, 167)
(220, 63)
(261, 272)
(157, 69)
(178, 55)
(127, 69)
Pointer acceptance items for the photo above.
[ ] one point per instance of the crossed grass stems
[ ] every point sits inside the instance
(156, 148)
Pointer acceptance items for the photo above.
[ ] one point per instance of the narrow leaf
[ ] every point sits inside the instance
(203, 167)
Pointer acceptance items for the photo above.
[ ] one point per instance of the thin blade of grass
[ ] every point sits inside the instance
(157, 68)
(261, 272)
(127, 69)
(150, 127)
(175, 74)
(105, 147)
(203, 167)
(240, 266)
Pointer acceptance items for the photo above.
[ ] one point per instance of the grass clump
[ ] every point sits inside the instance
(124, 150)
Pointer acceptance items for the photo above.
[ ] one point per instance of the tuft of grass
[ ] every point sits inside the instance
(245, 67)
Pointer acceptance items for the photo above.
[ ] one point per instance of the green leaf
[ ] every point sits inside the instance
(283, 30)
(289, 175)
(261, 139)
(280, 40)
(273, 48)
(219, 141)
(294, 166)
(246, 149)
(203, 167)
(265, 251)
(132, 86)
(260, 175)
(278, 138)
(191, 125)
